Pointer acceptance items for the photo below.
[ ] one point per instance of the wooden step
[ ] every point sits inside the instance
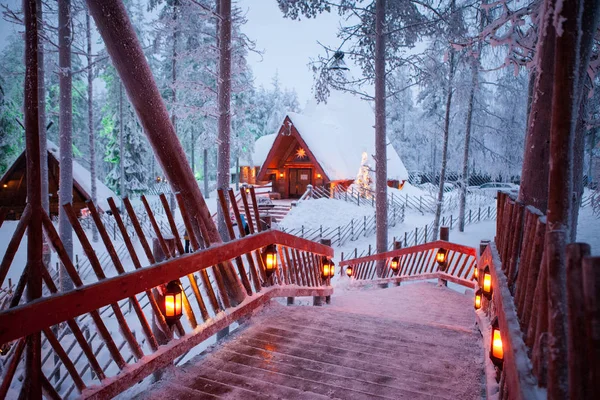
(344, 351)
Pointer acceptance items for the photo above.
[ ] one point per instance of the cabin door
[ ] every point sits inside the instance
(300, 178)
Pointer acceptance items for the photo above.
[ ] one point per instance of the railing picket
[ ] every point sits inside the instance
(136, 263)
(64, 358)
(120, 270)
(197, 244)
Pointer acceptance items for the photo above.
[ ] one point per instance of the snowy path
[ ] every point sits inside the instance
(416, 341)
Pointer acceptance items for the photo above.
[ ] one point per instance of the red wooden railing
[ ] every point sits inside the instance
(418, 263)
(540, 343)
(101, 338)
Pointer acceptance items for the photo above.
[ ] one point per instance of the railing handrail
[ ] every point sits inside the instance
(413, 249)
(32, 317)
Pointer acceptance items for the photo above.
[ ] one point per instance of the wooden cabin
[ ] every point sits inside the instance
(13, 186)
(325, 146)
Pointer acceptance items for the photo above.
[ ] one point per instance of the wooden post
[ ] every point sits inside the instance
(397, 246)
(444, 235)
(327, 242)
(482, 245)
(32, 386)
(578, 362)
(591, 298)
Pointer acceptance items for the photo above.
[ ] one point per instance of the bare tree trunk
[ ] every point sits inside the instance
(589, 24)
(224, 99)
(125, 50)
(381, 216)
(33, 368)
(122, 180)
(205, 172)
(172, 202)
(42, 109)
(440, 199)
(92, 139)
(465, 173)
(65, 192)
(533, 190)
(192, 152)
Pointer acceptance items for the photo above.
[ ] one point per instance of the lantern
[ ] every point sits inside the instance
(281, 174)
(475, 272)
(440, 257)
(318, 176)
(496, 349)
(395, 265)
(487, 283)
(478, 295)
(5, 185)
(270, 259)
(349, 271)
(173, 301)
(328, 268)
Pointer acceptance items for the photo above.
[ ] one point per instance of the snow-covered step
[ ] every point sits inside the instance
(375, 344)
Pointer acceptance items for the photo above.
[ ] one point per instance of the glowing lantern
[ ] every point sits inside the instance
(318, 176)
(349, 271)
(475, 272)
(328, 268)
(281, 174)
(496, 349)
(487, 283)
(440, 257)
(173, 301)
(270, 259)
(478, 294)
(395, 265)
(5, 185)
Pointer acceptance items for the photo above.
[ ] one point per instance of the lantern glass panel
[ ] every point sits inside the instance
(441, 256)
(476, 272)
(477, 301)
(487, 282)
(497, 350)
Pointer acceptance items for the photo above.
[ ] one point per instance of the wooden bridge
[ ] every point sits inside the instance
(411, 340)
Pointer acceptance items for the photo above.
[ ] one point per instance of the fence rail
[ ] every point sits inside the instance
(533, 303)
(107, 335)
(417, 263)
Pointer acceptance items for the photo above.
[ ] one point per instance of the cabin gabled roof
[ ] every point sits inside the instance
(337, 134)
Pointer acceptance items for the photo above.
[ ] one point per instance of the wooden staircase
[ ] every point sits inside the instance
(366, 345)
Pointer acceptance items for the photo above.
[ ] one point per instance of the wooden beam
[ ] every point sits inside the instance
(33, 317)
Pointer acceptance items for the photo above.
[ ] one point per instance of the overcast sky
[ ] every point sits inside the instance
(287, 45)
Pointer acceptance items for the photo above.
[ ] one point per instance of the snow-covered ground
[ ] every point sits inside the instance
(323, 212)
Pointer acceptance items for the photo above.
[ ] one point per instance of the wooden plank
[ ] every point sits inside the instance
(591, 293)
(29, 318)
(64, 358)
(11, 368)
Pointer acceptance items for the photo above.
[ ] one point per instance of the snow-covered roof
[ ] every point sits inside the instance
(339, 132)
(83, 178)
(261, 149)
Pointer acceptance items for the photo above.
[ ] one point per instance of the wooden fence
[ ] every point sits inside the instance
(106, 336)
(417, 263)
(548, 318)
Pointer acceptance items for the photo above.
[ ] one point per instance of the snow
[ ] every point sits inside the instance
(323, 212)
(261, 149)
(83, 177)
(337, 133)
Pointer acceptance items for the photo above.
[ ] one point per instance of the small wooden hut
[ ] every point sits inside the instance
(13, 186)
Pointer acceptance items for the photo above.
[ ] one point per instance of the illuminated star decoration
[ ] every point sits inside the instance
(300, 153)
